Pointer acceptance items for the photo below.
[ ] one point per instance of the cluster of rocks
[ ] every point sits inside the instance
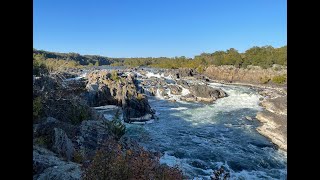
(183, 83)
(60, 147)
(121, 90)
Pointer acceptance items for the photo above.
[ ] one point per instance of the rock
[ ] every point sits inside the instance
(68, 171)
(251, 74)
(136, 108)
(183, 72)
(46, 165)
(274, 127)
(121, 92)
(174, 89)
(188, 97)
(46, 128)
(183, 83)
(92, 135)
(62, 145)
(206, 93)
(277, 105)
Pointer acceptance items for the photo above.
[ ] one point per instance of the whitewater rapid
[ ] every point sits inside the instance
(200, 138)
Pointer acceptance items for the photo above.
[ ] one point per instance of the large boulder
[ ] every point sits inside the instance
(205, 91)
(136, 108)
(46, 165)
(93, 133)
(174, 89)
(184, 72)
(46, 129)
(62, 145)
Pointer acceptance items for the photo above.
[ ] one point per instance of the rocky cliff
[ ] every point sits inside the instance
(252, 74)
(274, 118)
(118, 89)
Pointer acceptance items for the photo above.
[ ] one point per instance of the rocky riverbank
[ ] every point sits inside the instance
(251, 74)
(274, 119)
(68, 130)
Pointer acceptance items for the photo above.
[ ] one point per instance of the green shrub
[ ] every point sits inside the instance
(117, 127)
(114, 75)
(37, 108)
(42, 141)
(78, 113)
(281, 79)
(78, 157)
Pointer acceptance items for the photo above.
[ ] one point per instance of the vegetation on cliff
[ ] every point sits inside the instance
(264, 56)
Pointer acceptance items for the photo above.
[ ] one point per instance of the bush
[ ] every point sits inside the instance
(281, 79)
(78, 157)
(114, 75)
(117, 127)
(112, 162)
(39, 67)
(42, 141)
(78, 113)
(37, 108)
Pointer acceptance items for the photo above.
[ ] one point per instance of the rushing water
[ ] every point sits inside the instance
(200, 138)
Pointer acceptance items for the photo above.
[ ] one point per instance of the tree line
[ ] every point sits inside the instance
(265, 57)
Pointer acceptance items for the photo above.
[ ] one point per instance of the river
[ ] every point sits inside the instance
(199, 138)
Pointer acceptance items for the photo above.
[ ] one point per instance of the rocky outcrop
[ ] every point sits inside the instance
(184, 72)
(121, 90)
(274, 121)
(56, 132)
(251, 74)
(92, 135)
(46, 165)
(62, 145)
(204, 91)
(174, 89)
(277, 105)
(136, 109)
(186, 85)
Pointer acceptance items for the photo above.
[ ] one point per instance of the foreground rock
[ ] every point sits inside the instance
(46, 165)
(274, 119)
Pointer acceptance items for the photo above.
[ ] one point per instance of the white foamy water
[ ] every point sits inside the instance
(200, 138)
(184, 91)
(151, 74)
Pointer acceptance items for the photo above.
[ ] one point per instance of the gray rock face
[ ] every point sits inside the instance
(62, 144)
(274, 119)
(274, 127)
(47, 128)
(207, 91)
(276, 105)
(136, 108)
(46, 165)
(174, 89)
(252, 74)
(118, 91)
(92, 135)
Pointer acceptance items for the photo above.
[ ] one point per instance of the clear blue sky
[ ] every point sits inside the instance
(144, 28)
